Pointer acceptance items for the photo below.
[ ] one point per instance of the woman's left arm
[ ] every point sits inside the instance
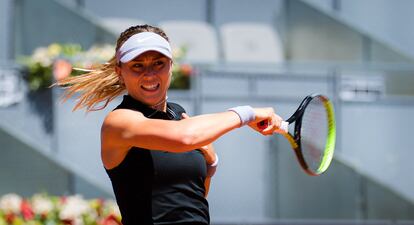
(211, 161)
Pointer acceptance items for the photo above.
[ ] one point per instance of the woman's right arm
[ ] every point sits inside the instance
(123, 129)
(130, 128)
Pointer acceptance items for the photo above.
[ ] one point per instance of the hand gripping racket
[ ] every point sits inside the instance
(313, 140)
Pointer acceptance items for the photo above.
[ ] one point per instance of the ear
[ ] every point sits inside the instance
(118, 69)
(171, 67)
(118, 72)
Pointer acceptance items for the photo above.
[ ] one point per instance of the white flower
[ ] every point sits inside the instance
(53, 50)
(41, 204)
(10, 203)
(101, 52)
(41, 55)
(95, 55)
(77, 221)
(73, 209)
(178, 53)
(112, 207)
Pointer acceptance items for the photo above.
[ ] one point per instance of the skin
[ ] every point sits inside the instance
(210, 157)
(147, 78)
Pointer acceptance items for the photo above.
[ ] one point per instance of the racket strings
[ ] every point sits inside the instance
(314, 133)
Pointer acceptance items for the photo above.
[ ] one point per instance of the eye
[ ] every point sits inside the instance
(137, 67)
(159, 64)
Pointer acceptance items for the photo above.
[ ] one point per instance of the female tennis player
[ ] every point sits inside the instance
(158, 159)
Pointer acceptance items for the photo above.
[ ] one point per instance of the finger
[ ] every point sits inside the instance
(268, 130)
(274, 124)
(185, 116)
(278, 121)
(283, 128)
(280, 131)
(271, 124)
(204, 148)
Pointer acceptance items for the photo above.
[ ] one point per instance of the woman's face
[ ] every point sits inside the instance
(147, 77)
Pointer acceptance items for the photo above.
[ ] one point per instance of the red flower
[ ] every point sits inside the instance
(99, 208)
(10, 218)
(63, 199)
(26, 210)
(111, 220)
(67, 222)
(186, 69)
(61, 69)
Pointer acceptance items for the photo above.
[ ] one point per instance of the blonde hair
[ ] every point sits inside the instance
(102, 84)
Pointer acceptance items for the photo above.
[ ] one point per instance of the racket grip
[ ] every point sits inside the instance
(284, 126)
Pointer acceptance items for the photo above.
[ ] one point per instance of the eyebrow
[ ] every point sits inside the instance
(152, 58)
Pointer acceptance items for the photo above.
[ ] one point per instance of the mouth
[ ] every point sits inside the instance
(150, 87)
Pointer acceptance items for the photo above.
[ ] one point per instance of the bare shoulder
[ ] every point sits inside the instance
(113, 145)
(121, 118)
(118, 123)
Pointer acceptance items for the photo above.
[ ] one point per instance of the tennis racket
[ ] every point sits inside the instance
(313, 139)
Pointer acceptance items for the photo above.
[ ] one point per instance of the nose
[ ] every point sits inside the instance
(149, 71)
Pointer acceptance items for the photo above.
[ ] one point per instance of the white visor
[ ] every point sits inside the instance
(140, 43)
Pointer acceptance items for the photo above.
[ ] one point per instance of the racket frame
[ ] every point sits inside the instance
(294, 139)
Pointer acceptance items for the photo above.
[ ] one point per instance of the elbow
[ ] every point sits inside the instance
(189, 139)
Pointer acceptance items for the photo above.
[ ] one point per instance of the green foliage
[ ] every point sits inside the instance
(42, 209)
(39, 72)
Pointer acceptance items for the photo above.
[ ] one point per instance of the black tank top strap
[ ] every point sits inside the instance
(174, 110)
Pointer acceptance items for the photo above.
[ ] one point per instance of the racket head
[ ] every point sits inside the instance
(314, 134)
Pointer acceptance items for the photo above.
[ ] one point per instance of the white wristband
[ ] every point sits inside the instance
(211, 169)
(246, 113)
(215, 163)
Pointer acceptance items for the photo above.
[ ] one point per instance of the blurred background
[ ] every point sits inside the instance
(229, 52)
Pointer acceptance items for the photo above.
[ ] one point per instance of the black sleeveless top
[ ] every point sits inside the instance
(159, 187)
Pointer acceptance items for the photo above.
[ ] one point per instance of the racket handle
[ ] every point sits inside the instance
(283, 126)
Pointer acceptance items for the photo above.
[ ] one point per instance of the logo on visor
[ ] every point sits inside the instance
(144, 39)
